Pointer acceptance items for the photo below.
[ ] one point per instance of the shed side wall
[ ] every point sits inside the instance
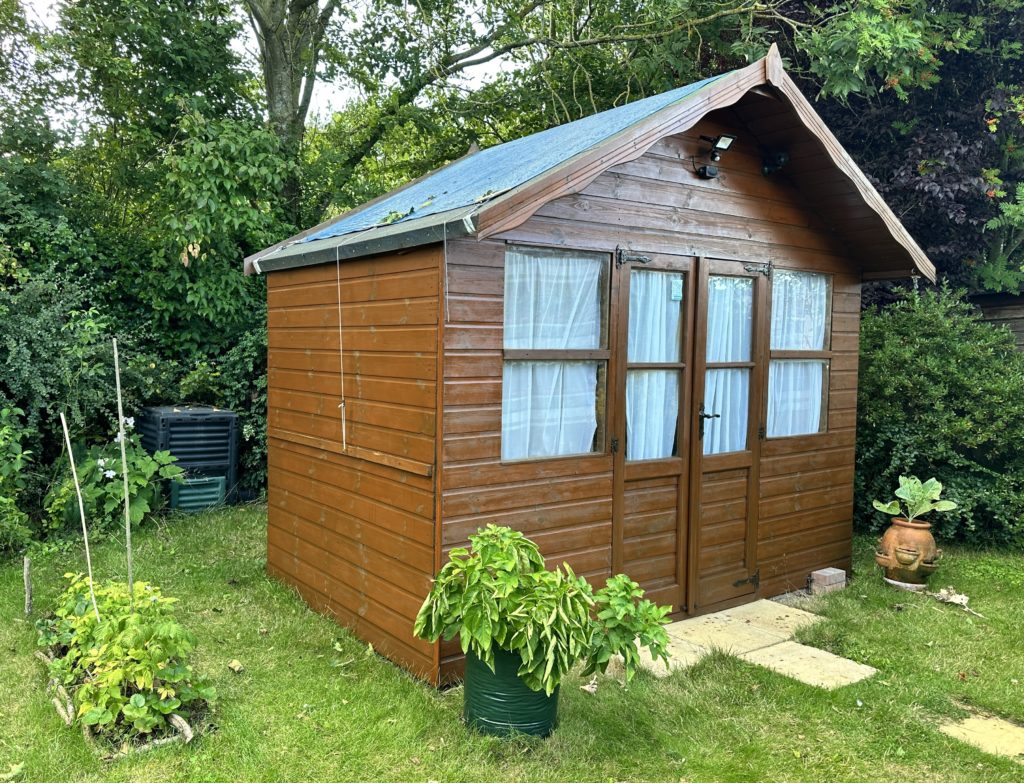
(353, 531)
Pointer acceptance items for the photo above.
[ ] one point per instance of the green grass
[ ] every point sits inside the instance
(295, 714)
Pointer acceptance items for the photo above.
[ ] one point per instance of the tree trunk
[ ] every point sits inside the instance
(290, 34)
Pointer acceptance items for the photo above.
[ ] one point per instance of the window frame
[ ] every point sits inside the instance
(602, 356)
(826, 354)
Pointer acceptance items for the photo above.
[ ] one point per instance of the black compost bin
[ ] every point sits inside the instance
(204, 440)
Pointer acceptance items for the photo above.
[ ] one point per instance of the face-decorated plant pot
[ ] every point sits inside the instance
(907, 552)
(499, 702)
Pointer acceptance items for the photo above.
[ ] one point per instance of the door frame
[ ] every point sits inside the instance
(751, 458)
(623, 471)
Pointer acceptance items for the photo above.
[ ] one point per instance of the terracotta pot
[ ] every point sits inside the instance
(907, 552)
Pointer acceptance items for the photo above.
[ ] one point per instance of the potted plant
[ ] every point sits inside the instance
(523, 627)
(907, 551)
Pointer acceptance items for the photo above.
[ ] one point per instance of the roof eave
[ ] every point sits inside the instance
(380, 239)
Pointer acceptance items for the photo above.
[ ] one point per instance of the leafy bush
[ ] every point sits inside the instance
(942, 394)
(56, 356)
(99, 475)
(129, 671)
(243, 374)
(14, 529)
(498, 593)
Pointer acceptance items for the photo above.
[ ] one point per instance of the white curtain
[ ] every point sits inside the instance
(800, 309)
(795, 396)
(552, 301)
(727, 390)
(655, 335)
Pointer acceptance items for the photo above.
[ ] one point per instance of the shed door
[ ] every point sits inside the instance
(729, 366)
(655, 295)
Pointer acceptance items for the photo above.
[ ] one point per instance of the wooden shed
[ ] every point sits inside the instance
(642, 357)
(1003, 310)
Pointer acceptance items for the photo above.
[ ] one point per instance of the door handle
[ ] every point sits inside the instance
(702, 417)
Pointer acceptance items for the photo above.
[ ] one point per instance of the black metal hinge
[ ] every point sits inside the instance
(761, 433)
(615, 445)
(754, 579)
(623, 256)
(760, 269)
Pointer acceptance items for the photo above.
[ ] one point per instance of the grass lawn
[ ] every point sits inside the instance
(297, 714)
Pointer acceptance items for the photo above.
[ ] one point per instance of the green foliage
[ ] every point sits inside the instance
(626, 621)
(498, 593)
(102, 483)
(243, 376)
(853, 43)
(201, 385)
(917, 499)
(941, 393)
(14, 529)
(130, 670)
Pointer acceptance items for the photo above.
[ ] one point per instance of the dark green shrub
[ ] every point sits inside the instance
(942, 394)
(243, 376)
(14, 529)
(56, 356)
(129, 671)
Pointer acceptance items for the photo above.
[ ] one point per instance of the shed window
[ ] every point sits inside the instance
(798, 373)
(556, 353)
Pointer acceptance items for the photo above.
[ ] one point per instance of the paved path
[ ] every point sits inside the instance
(761, 633)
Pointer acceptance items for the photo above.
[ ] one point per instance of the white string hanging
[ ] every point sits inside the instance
(341, 350)
(447, 307)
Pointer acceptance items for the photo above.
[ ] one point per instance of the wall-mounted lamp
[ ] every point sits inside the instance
(719, 145)
(774, 160)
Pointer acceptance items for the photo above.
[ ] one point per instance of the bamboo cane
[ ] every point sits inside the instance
(124, 476)
(81, 513)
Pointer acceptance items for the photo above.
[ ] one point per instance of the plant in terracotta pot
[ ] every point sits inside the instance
(524, 627)
(907, 551)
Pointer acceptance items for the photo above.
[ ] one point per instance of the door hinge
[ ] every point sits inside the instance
(615, 445)
(623, 256)
(754, 579)
(760, 269)
(761, 433)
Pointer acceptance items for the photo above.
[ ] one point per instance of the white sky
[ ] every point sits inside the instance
(326, 96)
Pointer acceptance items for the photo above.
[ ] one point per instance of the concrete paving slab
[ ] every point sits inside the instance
(772, 616)
(726, 633)
(682, 655)
(990, 734)
(809, 665)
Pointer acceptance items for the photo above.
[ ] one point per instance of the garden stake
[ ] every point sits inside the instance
(81, 512)
(28, 586)
(124, 476)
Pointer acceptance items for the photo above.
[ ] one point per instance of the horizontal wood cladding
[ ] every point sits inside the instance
(353, 530)
(389, 315)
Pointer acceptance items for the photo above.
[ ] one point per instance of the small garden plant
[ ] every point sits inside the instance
(127, 672)
(915, 499)
(99, 474)
(499, 594)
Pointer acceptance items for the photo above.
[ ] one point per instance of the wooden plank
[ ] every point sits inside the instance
(376, 288)
(400, 339)
(531, 520)
(490, 498)
(381, 365)
(390, 313)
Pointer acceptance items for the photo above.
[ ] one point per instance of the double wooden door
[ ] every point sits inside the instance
(690, 363)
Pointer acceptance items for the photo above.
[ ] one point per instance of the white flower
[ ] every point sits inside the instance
(101, 462)
(129, 422)
(109, 474)
(117, 438)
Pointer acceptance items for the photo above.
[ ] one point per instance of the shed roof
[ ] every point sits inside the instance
(497, 188)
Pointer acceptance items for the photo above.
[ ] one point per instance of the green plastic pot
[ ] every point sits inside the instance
(499, 703)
